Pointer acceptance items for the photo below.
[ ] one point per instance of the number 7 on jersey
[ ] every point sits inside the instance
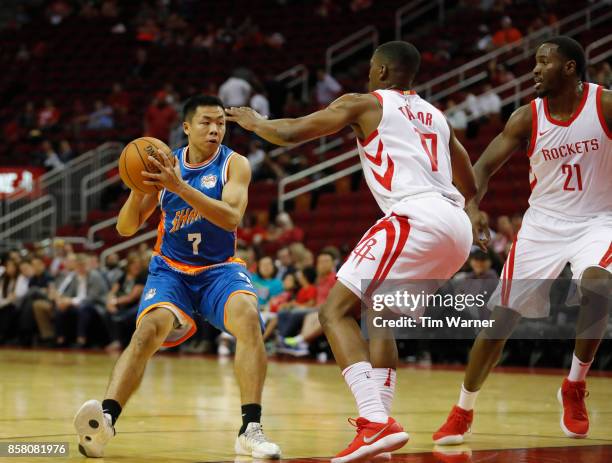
(432, 149)
(196, 239)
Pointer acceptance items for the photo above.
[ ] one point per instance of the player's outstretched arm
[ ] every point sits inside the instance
(516, 132)
(134, 212)
(463, 173)
(344, 111)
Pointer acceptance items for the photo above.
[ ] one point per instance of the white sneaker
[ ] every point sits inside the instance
(254, 443)
(94, 428)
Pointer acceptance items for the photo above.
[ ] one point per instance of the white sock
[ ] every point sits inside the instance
(385, 378)
(467, 399)
(360, 379)
(579, 369)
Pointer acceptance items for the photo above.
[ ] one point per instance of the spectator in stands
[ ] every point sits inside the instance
(119, 100)
(259, 100)
(456, 117)
(160, 118)
(101, 118)
(48, 116)
(52, 160)
(142, 68)
(489, 102)
(284, 262)
(38, 289)
(266, 281)
(256, 157)
(289, 233)
(65, 151)
(503, 235)
(28, 119)
(57, 11)
(236, 90)
(326, 273)
(507, 34)
(485, 41)
(472, 106)
(301, 257)
(59, 253)
(250, 232)
(112, 272)
(498, 73)
(327, 88)
(83, 292)
(148, 31)
(122, 302)
(8, 300)
(206, 40)
(517, 221)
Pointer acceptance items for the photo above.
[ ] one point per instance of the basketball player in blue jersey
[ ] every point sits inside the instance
(203, 196)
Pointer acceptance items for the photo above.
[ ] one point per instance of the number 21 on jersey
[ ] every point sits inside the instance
(569, 169)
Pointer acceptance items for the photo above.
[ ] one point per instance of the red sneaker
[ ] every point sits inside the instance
(574, 418)
(372, 439)
(457, 424)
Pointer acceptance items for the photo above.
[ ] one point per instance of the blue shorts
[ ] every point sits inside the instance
(183, 294)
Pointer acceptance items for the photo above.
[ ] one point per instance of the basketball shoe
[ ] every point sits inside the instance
(94, 428)
(372, 439)
(574, 417)
(254, 443)
(456, 426)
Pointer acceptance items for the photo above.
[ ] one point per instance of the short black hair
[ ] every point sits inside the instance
(403, 55)
(194, 102)
(310, 274)
(571, 50)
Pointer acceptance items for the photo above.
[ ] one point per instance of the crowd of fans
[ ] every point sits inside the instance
(52, 296)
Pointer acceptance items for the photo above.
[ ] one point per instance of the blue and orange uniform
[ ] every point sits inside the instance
(193, 268)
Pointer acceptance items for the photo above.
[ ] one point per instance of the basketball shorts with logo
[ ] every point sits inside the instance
(422, 238)
(543, 247)
(183, 294)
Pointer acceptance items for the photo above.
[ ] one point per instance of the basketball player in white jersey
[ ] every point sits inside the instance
(568, 129)
(420, 176)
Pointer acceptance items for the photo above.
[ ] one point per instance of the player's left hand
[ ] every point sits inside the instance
(247, 118)
(169, 175)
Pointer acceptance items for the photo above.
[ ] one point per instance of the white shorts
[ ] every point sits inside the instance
(424, 238)
(543, 247)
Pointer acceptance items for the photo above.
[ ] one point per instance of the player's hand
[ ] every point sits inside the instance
(169, 175)
(480, 229)
(247, 118)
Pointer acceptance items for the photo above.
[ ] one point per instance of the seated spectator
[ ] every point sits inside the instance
(80, 292)
(504, 236)
(256, 157)
(8, 300)
(52, 160)
(266, 282)
(284, 262)
(65, 151)
(119, 99)
(112, 272)
(456, 117)
(37, 289)
(288, 232)
(101, 118)
(122, 302)
(159, 118)
(485, 41)
(489, 102)
(327, 88)
(507, 34)
(48, 116)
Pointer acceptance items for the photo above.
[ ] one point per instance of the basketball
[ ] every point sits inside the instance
(135, 158)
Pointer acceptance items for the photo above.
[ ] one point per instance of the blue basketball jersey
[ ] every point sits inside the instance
(185, 239)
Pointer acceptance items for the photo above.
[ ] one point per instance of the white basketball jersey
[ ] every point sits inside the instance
(571, 161)
(408, 154)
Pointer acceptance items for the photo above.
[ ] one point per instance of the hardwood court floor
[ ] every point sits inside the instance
(187, 410)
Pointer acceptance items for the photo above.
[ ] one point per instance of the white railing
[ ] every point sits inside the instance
(297, 75)
(282, 186)
(570, 25)
(597, 44)
(366, 37)
(128, 244)
(413, 11)
(92, 186)
(35, 220)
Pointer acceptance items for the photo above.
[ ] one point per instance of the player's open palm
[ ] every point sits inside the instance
(246, 117)
(169, 175)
